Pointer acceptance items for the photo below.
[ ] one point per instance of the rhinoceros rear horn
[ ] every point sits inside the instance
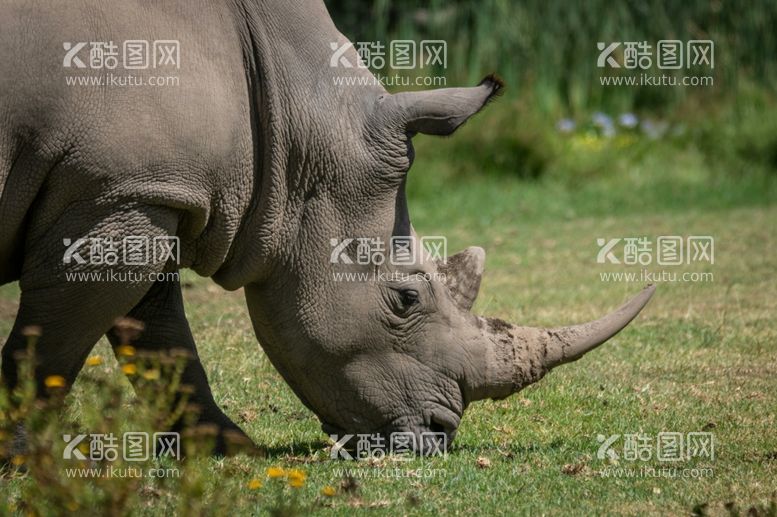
(462, 274)
(441, 111)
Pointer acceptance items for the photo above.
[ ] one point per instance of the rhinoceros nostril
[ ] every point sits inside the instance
(437, 427)
(444, 429)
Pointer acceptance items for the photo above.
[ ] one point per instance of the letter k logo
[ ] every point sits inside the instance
(338, 449)
(338, 254)
(70, 56)
(605, 251)
(605, 56)
(338, 57)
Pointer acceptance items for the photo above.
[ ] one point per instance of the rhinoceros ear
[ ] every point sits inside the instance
(441, 111)
(463, 272)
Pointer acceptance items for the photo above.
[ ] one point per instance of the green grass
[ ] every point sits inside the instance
(547, 49)
(701, 357)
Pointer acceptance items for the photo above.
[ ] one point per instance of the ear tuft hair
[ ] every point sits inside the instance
(496, 83)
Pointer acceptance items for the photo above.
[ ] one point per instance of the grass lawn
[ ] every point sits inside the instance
(701, 358)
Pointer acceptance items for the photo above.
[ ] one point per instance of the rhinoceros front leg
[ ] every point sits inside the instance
(72, 297)
(74, 300)
(165, 327)
(70, 319)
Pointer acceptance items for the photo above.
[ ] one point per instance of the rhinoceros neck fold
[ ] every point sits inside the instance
(266, 83)
(298, 116)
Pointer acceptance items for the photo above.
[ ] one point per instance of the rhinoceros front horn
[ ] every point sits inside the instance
(570, 343)
(520, 356)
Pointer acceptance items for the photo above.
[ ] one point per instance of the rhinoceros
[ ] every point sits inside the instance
(254, 161)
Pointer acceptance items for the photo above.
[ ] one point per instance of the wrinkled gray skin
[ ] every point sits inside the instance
(255, 161)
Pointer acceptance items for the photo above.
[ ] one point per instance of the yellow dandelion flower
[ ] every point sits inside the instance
(254, 484)
(275, 472)
(296, 478)
(94, 360)
(151, 375)
(18, 460)
(328, 491)
(129, 369)
(54, 381)
(297, 474)
(126, 350)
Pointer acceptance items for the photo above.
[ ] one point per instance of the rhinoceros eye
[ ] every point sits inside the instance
(409, 297)
(404, 301)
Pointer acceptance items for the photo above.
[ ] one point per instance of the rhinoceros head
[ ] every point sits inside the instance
(392, 348)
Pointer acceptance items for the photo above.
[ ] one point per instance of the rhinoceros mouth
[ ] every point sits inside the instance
(445, 421)
(433, 431)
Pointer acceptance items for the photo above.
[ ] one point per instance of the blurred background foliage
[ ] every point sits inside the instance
(557, 122)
